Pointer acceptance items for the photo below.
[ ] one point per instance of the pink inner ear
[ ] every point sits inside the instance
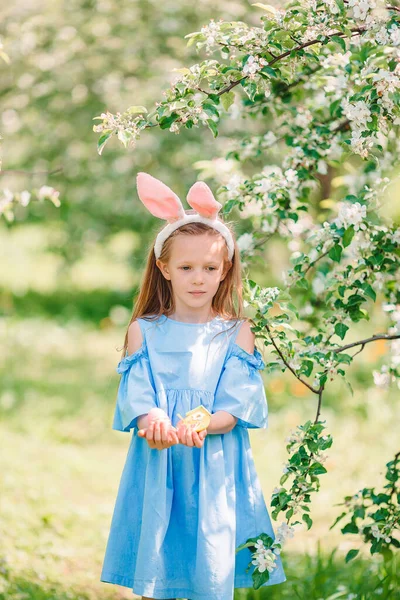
(158, 198)
(201, 198)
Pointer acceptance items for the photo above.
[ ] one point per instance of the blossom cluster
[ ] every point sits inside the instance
(265, 558)
(381, 533)
(229, 36)
(9, 199)
(124, 125)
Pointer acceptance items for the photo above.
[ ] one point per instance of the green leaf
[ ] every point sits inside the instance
(250, 542)
(303, 284)
(102, 141)
(317, 469)
(214, 98)
(369, 291)
(213, 127)
(337, 520)
(284, 478)
(307, 519)
(229, 205)
(267, 7)
(335, 106)
(227, 100)
(350, 555)
(339, 40)
(166, 122)
(210, 109)
(250, 88)
(132, 110)
(350, 528)
(335, 252)
(124, 137)
(340, 329)
(259, 578)
(348, 236)
(270, 71)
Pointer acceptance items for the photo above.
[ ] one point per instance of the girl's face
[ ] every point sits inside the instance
(196, 264)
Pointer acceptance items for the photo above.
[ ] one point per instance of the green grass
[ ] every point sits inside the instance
(61, 462)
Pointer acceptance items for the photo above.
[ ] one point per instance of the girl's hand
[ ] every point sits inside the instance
(189, 437)
(159, 434)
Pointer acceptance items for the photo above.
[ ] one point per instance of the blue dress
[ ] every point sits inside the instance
(181, 512)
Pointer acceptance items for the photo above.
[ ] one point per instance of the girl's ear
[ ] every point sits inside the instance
(158, 198)
(201, 198)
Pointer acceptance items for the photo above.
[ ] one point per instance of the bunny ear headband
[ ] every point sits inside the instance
(163, 203)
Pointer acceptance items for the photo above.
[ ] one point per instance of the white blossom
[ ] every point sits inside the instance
(246, 242)
(253, 64)
(357, 112)
(351, 214)
(378, 534)
(361, 8)
(263, 558)
(49, 192)
(24, 197)
(394, 32)
(381, 380)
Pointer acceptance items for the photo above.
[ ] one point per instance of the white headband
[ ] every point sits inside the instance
(163, 203)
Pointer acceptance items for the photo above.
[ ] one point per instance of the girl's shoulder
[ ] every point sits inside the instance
(147, 321)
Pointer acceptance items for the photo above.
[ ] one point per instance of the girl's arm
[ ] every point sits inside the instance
(221, 422)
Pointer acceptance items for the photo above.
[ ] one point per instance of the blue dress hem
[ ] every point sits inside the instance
(145, 586)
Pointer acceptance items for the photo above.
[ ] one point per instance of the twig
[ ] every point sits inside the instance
(21, 172)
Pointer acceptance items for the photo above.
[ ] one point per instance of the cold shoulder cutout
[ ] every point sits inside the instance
(129, 359)
(254, 360)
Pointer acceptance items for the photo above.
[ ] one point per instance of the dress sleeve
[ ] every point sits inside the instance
(136, 392)
(240, 390)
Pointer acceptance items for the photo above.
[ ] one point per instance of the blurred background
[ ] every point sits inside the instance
(68, 277)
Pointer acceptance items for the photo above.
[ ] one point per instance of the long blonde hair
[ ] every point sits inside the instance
(155, 297)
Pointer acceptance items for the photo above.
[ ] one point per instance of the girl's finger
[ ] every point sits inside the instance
(149, 431)
(181, 434)
(164, 431)
(201, 438)
(196, 439)
(157, 432)
(189, 437)
(174, 437)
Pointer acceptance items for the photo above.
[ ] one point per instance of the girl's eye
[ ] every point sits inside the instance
(211, 268)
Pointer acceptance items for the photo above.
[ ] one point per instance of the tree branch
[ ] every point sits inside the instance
(379, 336)
(356, 30)
(287, 364)
(21, 172)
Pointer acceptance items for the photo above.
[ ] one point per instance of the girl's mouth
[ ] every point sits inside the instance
(196, 293)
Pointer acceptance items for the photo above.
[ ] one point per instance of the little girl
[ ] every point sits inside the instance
(187, 499)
